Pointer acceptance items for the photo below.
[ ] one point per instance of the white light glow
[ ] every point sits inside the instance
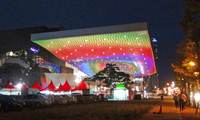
(19, 86)
(197, 97)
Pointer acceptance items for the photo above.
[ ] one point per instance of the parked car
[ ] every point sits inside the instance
(59, 100)
(36, 100)
(17, 98)
(9, 103)
(81, 99)
(51, 97)
(70, 99)
(74, 94)
(103, 97)
(89, 98)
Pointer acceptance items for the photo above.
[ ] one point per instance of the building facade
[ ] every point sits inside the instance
(35, 53)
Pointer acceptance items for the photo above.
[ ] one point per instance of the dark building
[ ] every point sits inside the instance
(152, 81)
(19, 63)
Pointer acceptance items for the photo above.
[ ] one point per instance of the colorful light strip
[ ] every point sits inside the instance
(52, 67)
(130, 51)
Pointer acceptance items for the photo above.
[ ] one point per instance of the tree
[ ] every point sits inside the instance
(190, 25)
(182, 68)
(111, 75)
(188, 50)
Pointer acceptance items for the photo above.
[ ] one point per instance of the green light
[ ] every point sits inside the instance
(120, 86)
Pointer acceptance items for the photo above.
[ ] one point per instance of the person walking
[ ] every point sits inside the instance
(176, 99)
(182, 100)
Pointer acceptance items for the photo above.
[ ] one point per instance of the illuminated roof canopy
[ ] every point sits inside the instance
(128, 46)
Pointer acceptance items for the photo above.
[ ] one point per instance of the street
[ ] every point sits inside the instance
(166, 110)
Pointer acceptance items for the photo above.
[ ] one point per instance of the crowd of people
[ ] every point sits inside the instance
(180, 100)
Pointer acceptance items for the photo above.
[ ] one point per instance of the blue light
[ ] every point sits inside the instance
(154, 40)
(34, 50)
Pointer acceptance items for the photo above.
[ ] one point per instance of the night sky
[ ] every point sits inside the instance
(162, 17)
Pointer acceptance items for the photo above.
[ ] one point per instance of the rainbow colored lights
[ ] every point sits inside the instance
(131, 51)
(48, 65)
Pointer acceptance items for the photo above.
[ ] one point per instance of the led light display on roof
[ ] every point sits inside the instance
(52, 67)
(131, 51)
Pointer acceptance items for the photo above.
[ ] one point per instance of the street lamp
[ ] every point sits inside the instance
(195, 73)
(192, 63)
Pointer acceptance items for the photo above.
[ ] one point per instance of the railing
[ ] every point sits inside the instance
(17, 60)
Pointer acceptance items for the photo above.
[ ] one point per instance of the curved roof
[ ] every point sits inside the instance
(128, 46)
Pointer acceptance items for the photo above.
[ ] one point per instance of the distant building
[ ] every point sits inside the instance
(153, 81)
(19, 63)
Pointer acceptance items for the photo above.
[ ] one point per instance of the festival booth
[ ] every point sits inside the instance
(49, 89)
(65, 87)
(121, 92)
(59, 88)
(10, 90)
(37, 86)
(20, 89)
(82, 88)
(25, 90)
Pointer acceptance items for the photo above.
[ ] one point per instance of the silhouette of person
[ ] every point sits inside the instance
(176, 99)
(182, 100)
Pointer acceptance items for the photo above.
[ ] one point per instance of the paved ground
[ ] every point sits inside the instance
(169, 112)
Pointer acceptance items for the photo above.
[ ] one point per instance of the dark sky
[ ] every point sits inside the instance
(162, 17)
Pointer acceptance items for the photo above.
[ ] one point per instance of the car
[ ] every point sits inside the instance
(91, 97)
(36, 101)
(17, 98)
(75, 94)
(51, 97)
(59, 100)
(81, 99)
(70, 99)
(9, 103)
(103, 97)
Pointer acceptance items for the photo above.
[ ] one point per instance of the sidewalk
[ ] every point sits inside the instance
(169, 112)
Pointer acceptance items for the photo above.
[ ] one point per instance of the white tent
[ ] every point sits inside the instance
(5, 91)
(120, 93)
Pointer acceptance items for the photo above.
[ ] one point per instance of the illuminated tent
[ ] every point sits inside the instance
(37, 86)
(50, 87)
(10, 90)
(24, 86)
(120, 92)
(10, 86)
(65, 87)
(120, 86)
(59, 88)
(81, 86)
